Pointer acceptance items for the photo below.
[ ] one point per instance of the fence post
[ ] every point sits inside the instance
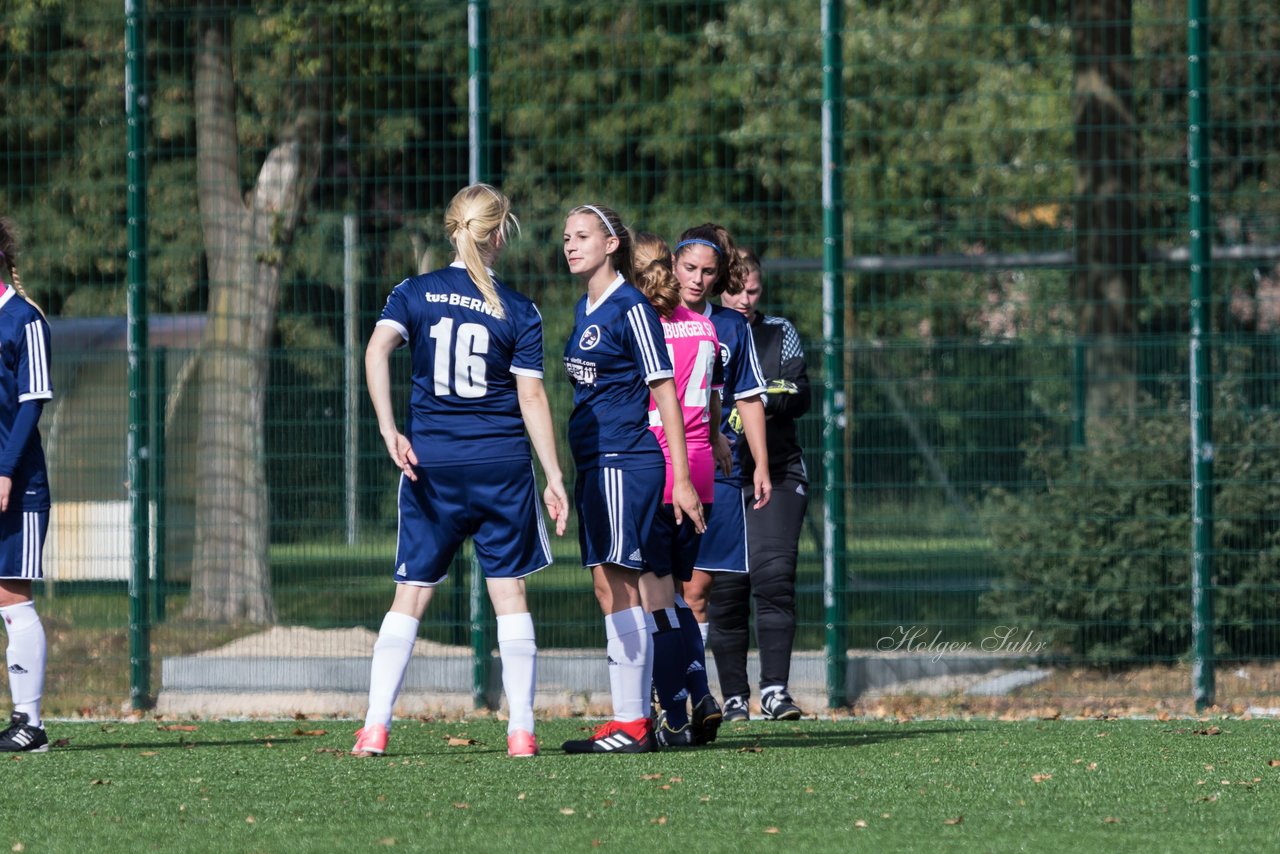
(139, 488)
(479, 170)
(1202, 675)
(159, 399)
(834, 570)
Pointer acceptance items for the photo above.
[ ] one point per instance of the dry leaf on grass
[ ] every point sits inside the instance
(178, 728)
(957, 820)
(1040, 778)
(460, 741)
(567, 810)
(301, 731)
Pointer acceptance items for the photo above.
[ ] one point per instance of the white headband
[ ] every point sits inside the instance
(595, 210)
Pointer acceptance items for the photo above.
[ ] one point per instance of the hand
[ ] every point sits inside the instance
(6, 486)
(722, 451)
(401, 451)
(684, 502)
(763, 489)
(557, 505)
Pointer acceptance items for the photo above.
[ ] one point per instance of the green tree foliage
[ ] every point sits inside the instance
(1096, 559)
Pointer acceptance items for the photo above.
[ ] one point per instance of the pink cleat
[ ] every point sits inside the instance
(370, 741)
(522, 743)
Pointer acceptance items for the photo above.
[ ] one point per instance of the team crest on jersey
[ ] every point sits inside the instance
(590, 337)
(724, 354)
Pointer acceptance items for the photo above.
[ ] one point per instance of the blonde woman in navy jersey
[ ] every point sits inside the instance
(617, 359)
(464, 457)
(24, 497)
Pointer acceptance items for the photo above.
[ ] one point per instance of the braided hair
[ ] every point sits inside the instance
(9, 259)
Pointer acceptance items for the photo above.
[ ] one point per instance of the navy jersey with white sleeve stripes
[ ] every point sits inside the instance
(463, 406)
(24, 348)
(743, 376)
(615, 350)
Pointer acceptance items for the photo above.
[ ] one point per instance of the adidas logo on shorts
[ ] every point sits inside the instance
(635, 555)
(401, 572)
(17, 670)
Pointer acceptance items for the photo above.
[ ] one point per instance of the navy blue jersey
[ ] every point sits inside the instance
(463, 406)
(615, 350)
(24, 349)
(742, 376)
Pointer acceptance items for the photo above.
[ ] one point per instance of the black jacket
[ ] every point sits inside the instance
(781, 358)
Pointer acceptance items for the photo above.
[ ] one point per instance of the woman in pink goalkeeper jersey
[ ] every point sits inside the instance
(679, 667)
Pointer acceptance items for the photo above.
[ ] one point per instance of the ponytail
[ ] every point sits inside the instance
(477, 222)
(654, 276)
(9, 258)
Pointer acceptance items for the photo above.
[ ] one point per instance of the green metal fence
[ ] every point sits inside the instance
(1033, 250)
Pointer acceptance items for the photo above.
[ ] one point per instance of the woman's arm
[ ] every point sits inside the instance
(377, 373)
(752, 412)
(537, 421)
(684, 498)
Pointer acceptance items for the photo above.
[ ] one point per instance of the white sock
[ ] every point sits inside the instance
(26, 657)
(519, 651)
(704, 628)
(391, 655)
(628, 647)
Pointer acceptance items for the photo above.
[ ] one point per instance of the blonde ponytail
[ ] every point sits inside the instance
(476, 222)
(9, 255)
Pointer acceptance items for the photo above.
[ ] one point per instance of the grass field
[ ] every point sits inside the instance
(955, 785)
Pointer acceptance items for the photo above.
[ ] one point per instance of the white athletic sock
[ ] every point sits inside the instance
(628, 647)
(704, 628)
(26, 657)
(391, 655)
(519, 651)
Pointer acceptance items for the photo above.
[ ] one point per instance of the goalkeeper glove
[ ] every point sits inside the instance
(735, 420)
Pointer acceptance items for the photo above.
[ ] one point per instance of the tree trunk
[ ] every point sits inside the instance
(1107, 220)
(245, 244)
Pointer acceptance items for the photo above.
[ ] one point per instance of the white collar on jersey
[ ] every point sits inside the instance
(9, 293)
(462, 266)
(604, 297)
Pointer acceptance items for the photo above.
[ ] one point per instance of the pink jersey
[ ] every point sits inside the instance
(693, 348)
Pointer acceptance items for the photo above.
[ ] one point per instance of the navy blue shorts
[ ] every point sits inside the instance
(616, 508)
(495, 504)
(22, 535)
(723, 548)
(672, 550)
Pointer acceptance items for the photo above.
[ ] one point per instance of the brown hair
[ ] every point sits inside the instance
(476, 221)
(654, 276)
(611, 226)
(9, 256)
(731, 273)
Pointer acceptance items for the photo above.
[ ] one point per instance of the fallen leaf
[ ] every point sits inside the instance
(957, 820)
(676, 780)
(250, 820)
(18, 846)
(860, 823)
(1209, 800)
(567, 810)
(99, 782)
(1111, 820)
(1273, 763)
(388, 841)
(61, 742)
(1092, 766)
(148, 753)
(650, 776)
(1213, 730)
(751, 749)
(178, 728)
(771, 830)
(315, 732)
(1040, 778)
(520, 797)
(662, 819)
(460, 741)
(464, 806)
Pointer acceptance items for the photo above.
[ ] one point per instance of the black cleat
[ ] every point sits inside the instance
(21, 737)
(705, 720)
(778, 706)
(669, 738)
(736, 709)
